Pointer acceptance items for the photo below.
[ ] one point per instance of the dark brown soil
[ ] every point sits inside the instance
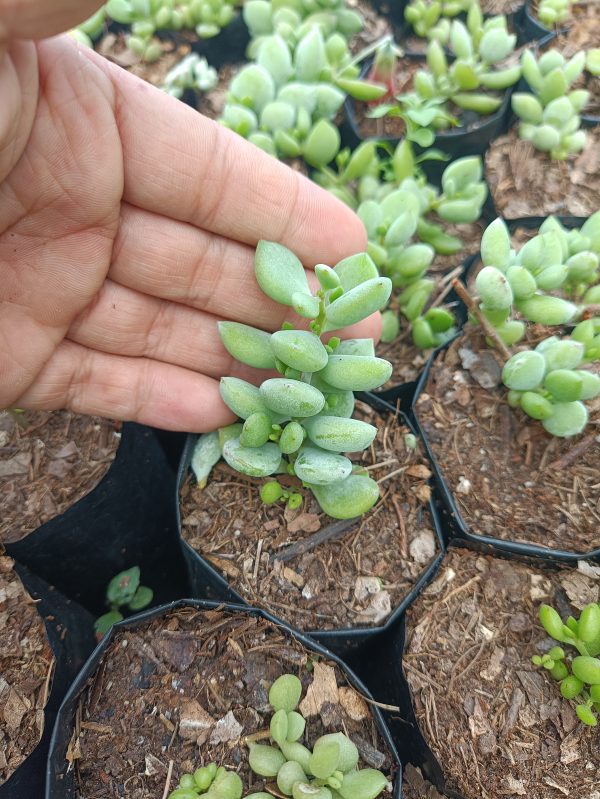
(526, 182)
(48, 461)
(187, 689)
(510, 479)
(375, 26)
(497, 724)
(414, 786)
(355, 580)
(26, 667)
(500, 6)
(112, 46)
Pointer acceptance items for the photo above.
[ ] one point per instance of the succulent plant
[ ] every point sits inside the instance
(192, 72)
(592, 61)
(124, 590)
(206, 17)
(210, 781)
(552, 12)
(430, 19)
(293, 19)
(284, 102)
(579, 676)
(299, 423)
(330, 769)
(549, 113)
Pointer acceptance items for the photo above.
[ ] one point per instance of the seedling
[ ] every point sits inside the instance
(299, 423)
(579, 676)
(549, 382)
(552, 12)
(211, 781)
(330, 769)
(192, 72)
(549, 114)
(123, 591)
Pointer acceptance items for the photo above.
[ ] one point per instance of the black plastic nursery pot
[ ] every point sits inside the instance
(460, 533)
(386, 674)
(207, 582)
(473, 139)
(532, 28)
(127, 520)
(70, 634)
(60, 778)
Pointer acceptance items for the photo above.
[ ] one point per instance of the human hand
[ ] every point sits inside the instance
(127, 230)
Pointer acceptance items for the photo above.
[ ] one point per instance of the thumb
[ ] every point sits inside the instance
(37, 19)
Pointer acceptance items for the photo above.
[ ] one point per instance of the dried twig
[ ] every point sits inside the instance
(168, 782)
(332, 531)
(488, 329)
(575, 452)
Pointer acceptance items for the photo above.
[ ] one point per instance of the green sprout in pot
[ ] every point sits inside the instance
(550, 112)
(430, 19)
(292, 20)
(578, 676)
(124, 590)
(300, 422)
(552, 13)
(284, 103)
(192, 72)
(330, 770)
(206, 17)
(210, 781)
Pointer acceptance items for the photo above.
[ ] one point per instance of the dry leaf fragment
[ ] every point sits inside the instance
(354, 705)
(228, 729)
(322, 690)
(153, 766)
(419, 470)
(194, 721)
(304, 523)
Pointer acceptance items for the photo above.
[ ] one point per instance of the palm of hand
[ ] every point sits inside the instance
(127, 227)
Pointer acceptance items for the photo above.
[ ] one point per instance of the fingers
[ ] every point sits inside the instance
(36, 19)
(199, 172)
(131, 389)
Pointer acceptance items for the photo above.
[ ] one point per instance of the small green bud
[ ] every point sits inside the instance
(559, 671)
(586, 715)
(551, 622)
(571, 687)
(535, 405)
(294, 501)
(285, 693)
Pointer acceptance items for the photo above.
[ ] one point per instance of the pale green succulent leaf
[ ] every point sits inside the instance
(348, 499)
(254, 461)
(279, 272)
(207, 453)
(247, 344)
(315, 465)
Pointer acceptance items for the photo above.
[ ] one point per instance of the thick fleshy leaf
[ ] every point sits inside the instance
(565, 354)
(356, 346)
(524, 371)
(495, 245)
(324, 759)
(285, 693)
(207, 453)
(358, 303)
(274, 56)
(337, 434)
(587, 669)
(341, 404)
(356, 372)
(364, 784)
(291, 397)
(256, 430)
(265, 760)
(355, 269)
(568, 419)
(290, 773)
(253, 86)
(299, 349)
(348, 751)
(255, 461)
(493, 288)
(241, 397)
(247, 344)
(352, 497)
(315, 465)
(322, 144)
(292, 437)
(279, 272)
(305, 305)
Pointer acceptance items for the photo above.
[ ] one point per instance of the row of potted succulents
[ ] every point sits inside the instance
(421, 562)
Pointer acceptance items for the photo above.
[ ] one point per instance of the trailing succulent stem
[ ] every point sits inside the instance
(124, 590)
(549, 112)
(579, 676)
(550, 383)
(299, 423)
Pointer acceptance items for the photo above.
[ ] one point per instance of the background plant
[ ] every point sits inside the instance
(124, 590)
(212, 781)
(299, 423)
(192, 72)
(579, 676)
(549, 113)
(430, 19)
(552, 12)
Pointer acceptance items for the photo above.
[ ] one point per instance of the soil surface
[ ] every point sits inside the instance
(497, 724)
(500, 6)
(525, 182)
(510, 479)
(187, 689)
(26, 667)
(376, 25)
(48, 461)
(353, 580)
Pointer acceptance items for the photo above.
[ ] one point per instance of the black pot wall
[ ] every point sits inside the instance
(207, 583)
(70, 634)
(459, 532)
(127, 520)
(60, 783)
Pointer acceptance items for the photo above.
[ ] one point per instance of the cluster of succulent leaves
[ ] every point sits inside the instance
(209, 782)
(299, 423)
(330, 769)
(579, 676)
(206, 17)
(592, 61)
(552, 12)
(192, 72)
(392, 198)
(555, 260)
(430, 19)
(285, 100)
(123, 591)
(471, 82)
(546, 382)
(549, 112)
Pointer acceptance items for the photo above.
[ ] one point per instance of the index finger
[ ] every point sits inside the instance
(183, 165)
